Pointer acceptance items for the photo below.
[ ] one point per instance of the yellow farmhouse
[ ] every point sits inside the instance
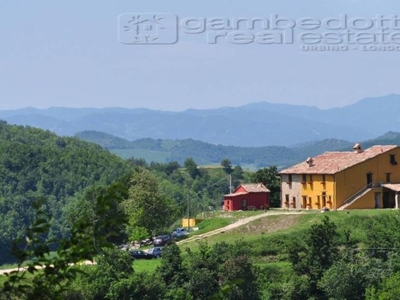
(344, 180)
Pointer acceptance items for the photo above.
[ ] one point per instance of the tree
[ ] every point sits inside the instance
(140, 286)
(172, 270)
(320, 254)
(237, 173)
(87, 208)
(146, 207)
(239, 277)
(137, 162)
(51, 275)
(388, 289)
(192, 168)
(112, 267)
(227, 166)
(343, 280)
(270, 178)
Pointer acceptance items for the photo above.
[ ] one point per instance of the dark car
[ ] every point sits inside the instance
(162, 240)
(139, 254)
(156, 251)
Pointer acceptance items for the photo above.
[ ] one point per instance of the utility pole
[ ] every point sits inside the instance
(188, 209)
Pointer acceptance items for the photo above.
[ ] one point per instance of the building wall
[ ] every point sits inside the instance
(291, 190)
(240, 190)
(228, 204)
(353, 179)
(365, 202)
(317, 191)
(258, 200)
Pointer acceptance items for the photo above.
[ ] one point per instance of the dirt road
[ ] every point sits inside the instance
(2, 272)
(237, 224)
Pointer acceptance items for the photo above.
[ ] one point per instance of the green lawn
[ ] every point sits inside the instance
(283, 227)
(144, 265)
(212, 224)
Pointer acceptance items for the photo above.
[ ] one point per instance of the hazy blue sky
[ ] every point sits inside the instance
(67, 53)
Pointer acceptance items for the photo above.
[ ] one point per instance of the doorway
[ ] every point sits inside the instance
(369, 178)
(386, 200)
(377, 200)
(244, 204)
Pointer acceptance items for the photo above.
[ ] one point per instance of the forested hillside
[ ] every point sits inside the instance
(71, 174)
(35, 163)
(204, 153)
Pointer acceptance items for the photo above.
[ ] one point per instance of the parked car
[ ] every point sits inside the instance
(180, 232)
(139, 254)
(156, 251)
(146, 242)
(162, 240)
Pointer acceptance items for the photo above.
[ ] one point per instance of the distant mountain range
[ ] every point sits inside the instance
(205, 153)
(252, 125)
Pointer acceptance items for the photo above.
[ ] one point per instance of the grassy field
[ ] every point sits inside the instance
(279, 226)
(268, 234)
(142, 265)
(148, 155)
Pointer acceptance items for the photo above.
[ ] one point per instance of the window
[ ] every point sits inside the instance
(304, 178)
(294, 202)
(286, 198)
(393, 159)
(310, 178)
(323, 178)
(290, 178)
(304, 204)
(387, 177)
(323, 199)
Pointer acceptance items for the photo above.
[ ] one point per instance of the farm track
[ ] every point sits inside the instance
(237, 224)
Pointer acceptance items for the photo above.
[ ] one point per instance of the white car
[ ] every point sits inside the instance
(180, 232)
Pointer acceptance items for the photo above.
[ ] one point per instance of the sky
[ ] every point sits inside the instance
(92, 53)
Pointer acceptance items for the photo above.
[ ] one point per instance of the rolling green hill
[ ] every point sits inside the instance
(206, 154)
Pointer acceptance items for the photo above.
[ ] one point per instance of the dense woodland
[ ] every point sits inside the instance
(64, 200)
(70, 173)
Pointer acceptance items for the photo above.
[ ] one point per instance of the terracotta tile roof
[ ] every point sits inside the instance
(334, 162)
(392, 186)
(250, 188)
(255, 188)
(236, 194)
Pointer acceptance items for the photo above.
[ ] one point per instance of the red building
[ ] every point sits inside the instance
(247, 197)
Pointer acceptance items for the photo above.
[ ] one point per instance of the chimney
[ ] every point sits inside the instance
(310, 161)
(357, 148)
